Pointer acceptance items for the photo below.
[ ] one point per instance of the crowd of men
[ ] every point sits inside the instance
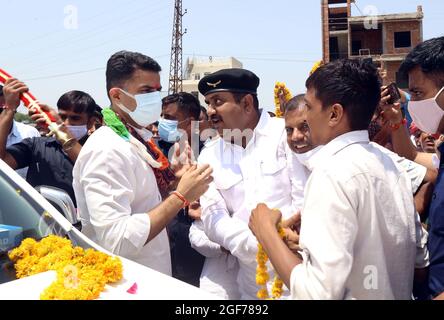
(344, 194)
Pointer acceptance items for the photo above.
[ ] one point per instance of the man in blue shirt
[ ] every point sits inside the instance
(49, 161)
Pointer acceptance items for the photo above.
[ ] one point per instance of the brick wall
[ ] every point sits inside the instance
(392, 67)
(325, 32)
(391, 27)
(370, 39)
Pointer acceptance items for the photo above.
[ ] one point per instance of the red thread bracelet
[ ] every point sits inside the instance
(186, 203)
(395, 127)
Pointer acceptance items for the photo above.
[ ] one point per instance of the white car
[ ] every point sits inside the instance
(24, 213)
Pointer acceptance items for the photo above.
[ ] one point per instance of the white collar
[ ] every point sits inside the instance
(339, 143)
(260, 129)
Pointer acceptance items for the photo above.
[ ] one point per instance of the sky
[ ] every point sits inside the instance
(58, 46)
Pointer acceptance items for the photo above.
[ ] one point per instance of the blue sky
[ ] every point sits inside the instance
(278, 40)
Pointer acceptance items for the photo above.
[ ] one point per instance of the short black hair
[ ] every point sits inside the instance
(1, 90)
(354, 84)
(295, 103)
(186, 103)
(239, 96)
(204, 111)
(429, 56)
(98, 113)
(122, 64)
(79, 102)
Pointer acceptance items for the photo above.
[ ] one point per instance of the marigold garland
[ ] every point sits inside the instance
(279, 88)
(316, 66)
(262, 276)
(81, 274)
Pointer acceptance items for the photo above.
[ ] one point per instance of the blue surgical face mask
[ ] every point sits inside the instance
(168, 130)
(78, 131)
(149, 107)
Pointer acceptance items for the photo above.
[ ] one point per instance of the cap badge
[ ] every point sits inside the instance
(214, 85)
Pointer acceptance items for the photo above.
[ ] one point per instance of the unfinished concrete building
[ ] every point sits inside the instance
(387, 39)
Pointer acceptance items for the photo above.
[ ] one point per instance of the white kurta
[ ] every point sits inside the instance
(115, 189)
(220, 270)
(242, 179)
(359, 228)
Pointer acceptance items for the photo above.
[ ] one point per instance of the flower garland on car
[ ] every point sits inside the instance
(262, 275)
(280, 88)
(81, 274)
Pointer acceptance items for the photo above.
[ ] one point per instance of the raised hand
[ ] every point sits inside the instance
(195, 182)
(182, 159)
(12, 90)
(390, 112)
(40, 118)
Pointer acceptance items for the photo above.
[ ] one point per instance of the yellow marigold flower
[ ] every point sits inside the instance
(81, 274)
(280, 89)
(316, 66)
(262, 275)
(276, 290)
(262, 293)
(262, 278)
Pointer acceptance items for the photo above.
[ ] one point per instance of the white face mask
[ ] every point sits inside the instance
(78, 132)
(148, 110)
(427, 114)
(305, 157)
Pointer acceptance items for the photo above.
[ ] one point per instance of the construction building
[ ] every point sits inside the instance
(387, 39)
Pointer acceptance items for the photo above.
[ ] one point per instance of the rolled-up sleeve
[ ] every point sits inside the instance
(108, 187)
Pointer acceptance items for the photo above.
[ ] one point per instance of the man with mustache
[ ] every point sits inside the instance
(250, 163)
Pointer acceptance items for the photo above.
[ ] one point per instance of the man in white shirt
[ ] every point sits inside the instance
(116, 175)
(359, 228)
(18, 132)
(220, 269)
(250, 163)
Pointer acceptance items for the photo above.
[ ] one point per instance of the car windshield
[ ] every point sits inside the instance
(21, 217)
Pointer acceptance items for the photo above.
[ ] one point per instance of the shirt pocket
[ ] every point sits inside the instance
(275, 179)
(230, 187)
(273, 167)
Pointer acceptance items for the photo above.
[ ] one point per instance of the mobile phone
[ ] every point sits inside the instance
(394, 93)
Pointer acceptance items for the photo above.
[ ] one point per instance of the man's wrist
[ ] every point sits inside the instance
(181, 197)
(7, 106)
(398, 125)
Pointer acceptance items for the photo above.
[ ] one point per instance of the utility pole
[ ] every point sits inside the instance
(176, 73)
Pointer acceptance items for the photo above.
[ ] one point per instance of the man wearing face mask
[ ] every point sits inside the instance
(425, 69)
(180, 113)
(49, 162)
(120, 171)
